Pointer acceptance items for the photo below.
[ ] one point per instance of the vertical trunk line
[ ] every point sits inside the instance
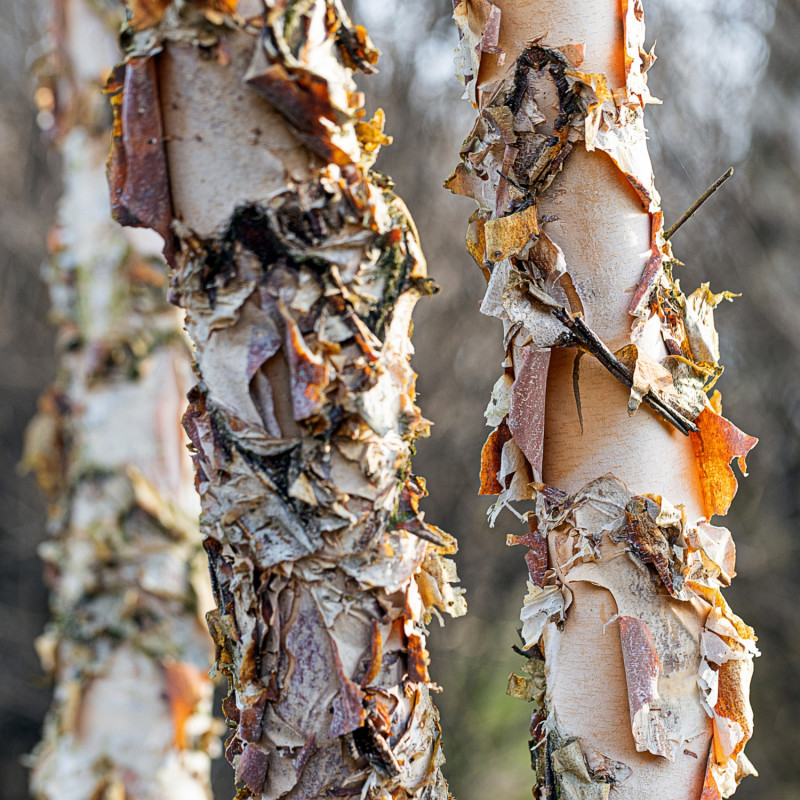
(638, 670)
(299, 268)
(125, 647)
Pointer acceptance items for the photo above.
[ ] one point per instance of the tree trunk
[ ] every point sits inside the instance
(126, 647)
(638, 670)
(299, 268)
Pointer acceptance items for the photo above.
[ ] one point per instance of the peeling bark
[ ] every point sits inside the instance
(299, 268)
(637, 690)
(126, 648)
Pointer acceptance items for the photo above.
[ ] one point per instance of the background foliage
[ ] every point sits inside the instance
(729, 75)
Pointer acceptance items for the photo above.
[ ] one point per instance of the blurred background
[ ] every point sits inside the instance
(729, 75)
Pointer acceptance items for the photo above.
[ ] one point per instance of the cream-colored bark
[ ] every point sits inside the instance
(126, 647)
(638, 669)
(299, 268)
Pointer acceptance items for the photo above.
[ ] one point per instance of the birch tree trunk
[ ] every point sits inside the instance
(638, 670)
(126, 647)
(240, 137)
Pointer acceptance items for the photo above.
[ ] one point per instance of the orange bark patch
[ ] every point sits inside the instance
(184, 685)
(375, 656)
(733, 730)
(710, 789)
(716, 444)
(490, 459)
(418, 659)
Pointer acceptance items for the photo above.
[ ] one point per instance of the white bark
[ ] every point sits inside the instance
(126, 647)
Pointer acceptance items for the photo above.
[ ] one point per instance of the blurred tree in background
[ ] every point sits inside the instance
(729, 75)
(125, 566)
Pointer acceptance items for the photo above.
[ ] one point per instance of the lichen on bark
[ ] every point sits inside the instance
(299, 277)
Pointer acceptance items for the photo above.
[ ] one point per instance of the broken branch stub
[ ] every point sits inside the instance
(636, 689)
(126, 646)
(299, 268)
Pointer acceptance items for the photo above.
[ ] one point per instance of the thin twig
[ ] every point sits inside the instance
(596, 347)
(576, 388)
(530, 197)
(687, 215)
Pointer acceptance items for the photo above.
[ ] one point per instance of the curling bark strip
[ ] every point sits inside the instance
(298, 268)
(126, 647)
(638, 670)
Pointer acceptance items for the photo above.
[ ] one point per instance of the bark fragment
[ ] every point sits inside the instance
(642, 671)
(717, 444)
(137, 165)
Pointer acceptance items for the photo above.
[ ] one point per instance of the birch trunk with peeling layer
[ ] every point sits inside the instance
(299, 268)
(638, 670)
(126, 647)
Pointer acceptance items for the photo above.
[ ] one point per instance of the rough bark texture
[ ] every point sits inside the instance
(126, 646)
(638, 669)
(299, 268)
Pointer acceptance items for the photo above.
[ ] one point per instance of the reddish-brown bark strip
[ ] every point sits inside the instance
(137, 168)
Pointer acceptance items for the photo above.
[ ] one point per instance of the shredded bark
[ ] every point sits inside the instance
(303, 422)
